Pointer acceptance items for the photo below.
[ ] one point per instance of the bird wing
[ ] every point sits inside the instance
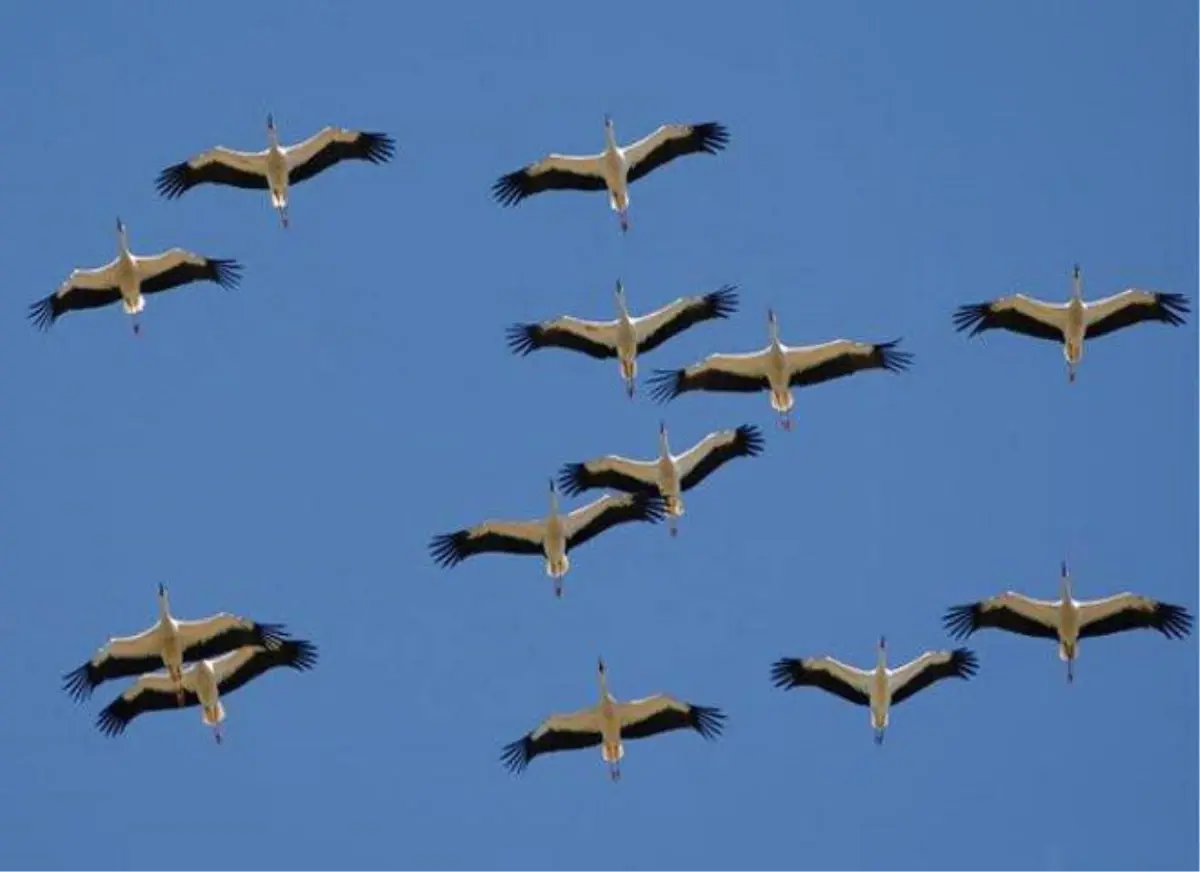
(1009, 611)
(238, 667)
(728, 373)
(671, 141)
(1128, 611)
(1017, 314)
(714, 450)
(812, 364)
(1132, 306)
(610, 471)
(559, 732)
(661, 713)
(506, 537)
(150, 693)
(672, 319)
(834, 676)
(120, 657)
(222, 633)
(161, 272)
(218, 166)
(932, 666)
(591, 520)
(596, 339)
(334, 144)
(555, 172)
(82, 289)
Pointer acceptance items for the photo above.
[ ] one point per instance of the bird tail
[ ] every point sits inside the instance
(135, 307)
(614, 753)
(214, 715)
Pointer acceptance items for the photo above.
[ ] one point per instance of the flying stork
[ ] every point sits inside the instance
(880, 688)
(170, 643)
(128, 278)
(1067, 620)
(609, 724)
(1072, 322)
(615, 168)
(553, 537)
(627, 336)
(277, 168)
(670, 474)
(204, 683)
(778, 368)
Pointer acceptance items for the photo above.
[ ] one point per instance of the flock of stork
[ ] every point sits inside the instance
(202, 661)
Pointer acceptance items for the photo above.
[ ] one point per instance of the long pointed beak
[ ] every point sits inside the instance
(1064, 569)
(600, 664)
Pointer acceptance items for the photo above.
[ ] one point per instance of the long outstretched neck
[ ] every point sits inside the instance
(602, 675)
(122, 238)
(664, 446)
(881, 655)
(610, 136)
(619, 293)
(272, 133)
(773, 327)
(1064, 582)
(164, 606)
(553, 499)
(1077, 284)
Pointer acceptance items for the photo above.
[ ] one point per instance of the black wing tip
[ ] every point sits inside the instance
(723, 302)
(708, 721)
(571, 479)
(521, 338)
(971, 317)
(651, 507)
(1174, 622)
(380, 147)
(966, 662)
(302, 654)
(271, 634)
(509, 189)
(110, 724)
(42, 313)
(959, 621)
(712, 135)
(891, 358)
(446, 548)
(751, 437)
(227, 271)
(515, 756)
(78, 683)
(663, 384)
(784, 672)
(1174, 308)
(173, 182)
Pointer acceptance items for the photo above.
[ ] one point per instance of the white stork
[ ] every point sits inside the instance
(128, 278)
(1067, 620)
(277, 168)
(1072, 322)
(552, 537)
(778, 368)
(609, 724)
(880, 688)
(204, 683)
(627, 336)
(670, 474)
(615, 168)
(170, 643)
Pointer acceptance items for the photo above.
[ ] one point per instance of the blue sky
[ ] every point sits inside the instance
(285, 451)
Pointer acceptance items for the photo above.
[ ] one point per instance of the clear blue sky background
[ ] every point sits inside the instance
(287, 450)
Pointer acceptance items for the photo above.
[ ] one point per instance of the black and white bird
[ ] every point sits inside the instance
(170, 643)
(279, 167)
(552, 537)
(204, 683)
(1072, 322)
(615, 168)
(128, 278)
(880, 688)
(627, 336)
(778, 368)
(610, 723)
(670, 474)
(1067, 620)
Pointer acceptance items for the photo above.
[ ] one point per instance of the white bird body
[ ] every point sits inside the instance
(614, 168)
(880, 688)
(1073, 322)
(609, 723)
(1068, 620)
(778, 368)
(669, 474)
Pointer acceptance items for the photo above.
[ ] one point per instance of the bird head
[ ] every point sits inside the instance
(883, 643)
(600, 665)
(608, 121)
(162, 589)
(270, 121)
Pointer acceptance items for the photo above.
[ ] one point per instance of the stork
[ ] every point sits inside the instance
(880, 688)
(778, 368)
(615, 168)
(1072, 322)
(610, 723)
(1067, 620)
(204, 684)
(279, 167)
(170, 643)
(128, 278)
(670, 474)
(627, 336)
(553, 537)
